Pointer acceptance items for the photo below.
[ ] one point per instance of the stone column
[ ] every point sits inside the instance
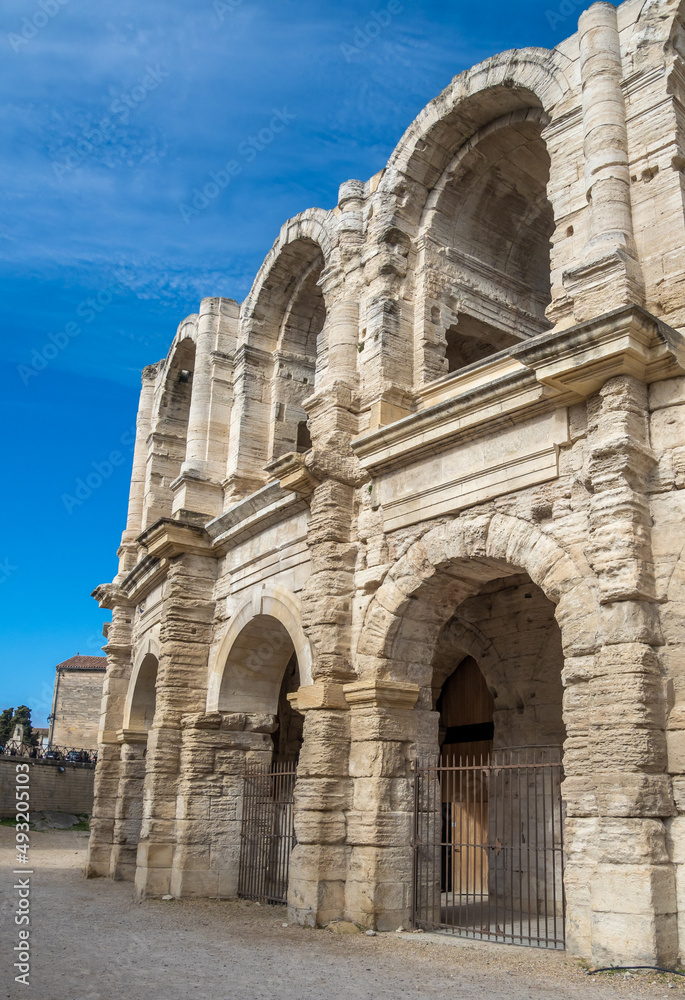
(250, 416)
(129, 805)
(620, 885)
(215, 750)
(609, 275)
(109, 765)
(184, 642)
(384, 728)
(337, 361)
(318, 863)
(128, 552)
(386, 358)
(198, 489)
(333, 418)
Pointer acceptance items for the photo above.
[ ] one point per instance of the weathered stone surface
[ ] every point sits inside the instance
(446, 428)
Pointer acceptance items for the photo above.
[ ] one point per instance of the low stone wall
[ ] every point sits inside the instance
(69, 791)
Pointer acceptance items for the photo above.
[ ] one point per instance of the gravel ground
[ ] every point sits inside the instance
(90, 941)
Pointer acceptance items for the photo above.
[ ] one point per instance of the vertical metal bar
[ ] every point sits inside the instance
(493, 825)
(431, 846)
(530, 775)
(544, 851)
(561, 860)
(437, 838)
(467, 837)
(453, 813)
(415, 846)
(511, 845)
(520, 840)
(553, 858)
(537, 856)
(480, 846)
(503, 851)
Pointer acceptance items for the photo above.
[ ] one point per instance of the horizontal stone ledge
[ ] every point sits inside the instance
(381, 694)
(320, 695)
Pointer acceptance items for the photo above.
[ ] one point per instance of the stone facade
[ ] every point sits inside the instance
(76, 702)
(447, 423)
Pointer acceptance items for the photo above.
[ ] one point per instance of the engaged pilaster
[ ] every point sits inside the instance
(609, 275)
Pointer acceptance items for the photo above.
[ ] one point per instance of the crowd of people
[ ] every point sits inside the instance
(70, 755)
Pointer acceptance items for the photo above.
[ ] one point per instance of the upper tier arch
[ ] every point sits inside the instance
(511, 81)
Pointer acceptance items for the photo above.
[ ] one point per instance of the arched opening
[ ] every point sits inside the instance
(170, 433)
(282, 324)
(295, 360)
(138, 719)
(144, 696)
(496, 683)
(488, 231)
(261, 672)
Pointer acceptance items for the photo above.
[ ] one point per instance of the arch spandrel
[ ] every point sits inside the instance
(281, 607)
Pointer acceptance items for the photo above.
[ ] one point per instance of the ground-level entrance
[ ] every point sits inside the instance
(267, 832)
(488, 846)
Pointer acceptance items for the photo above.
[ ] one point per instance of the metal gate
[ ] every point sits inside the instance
(488, 847)
(267, 833)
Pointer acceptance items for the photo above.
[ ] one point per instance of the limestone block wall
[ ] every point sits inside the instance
(77, 708)
(67, 791)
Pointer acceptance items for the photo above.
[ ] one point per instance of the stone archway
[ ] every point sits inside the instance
(614, 749)
(449, 564)
(236, 676)
(139, 711)
(248, 723)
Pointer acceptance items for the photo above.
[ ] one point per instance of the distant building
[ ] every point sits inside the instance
(76, 702)
(18, 735)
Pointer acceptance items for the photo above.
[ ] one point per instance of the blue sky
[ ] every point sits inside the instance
(111, 114)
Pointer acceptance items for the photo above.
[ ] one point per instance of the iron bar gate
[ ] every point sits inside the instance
(267, 833)
(488, 847)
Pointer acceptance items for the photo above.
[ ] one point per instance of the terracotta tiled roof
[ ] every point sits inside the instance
(79, 662)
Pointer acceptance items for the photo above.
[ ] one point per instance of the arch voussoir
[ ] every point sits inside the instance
(426, 579)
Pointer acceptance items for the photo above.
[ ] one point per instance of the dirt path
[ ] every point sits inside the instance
(90, 941)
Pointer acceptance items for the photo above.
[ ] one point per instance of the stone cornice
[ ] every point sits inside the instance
(250, 516)
(292, 474)
(144, 577)
(167, 538)
(548, 371)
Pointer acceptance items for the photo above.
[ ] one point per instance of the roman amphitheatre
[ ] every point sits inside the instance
(398, 630)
